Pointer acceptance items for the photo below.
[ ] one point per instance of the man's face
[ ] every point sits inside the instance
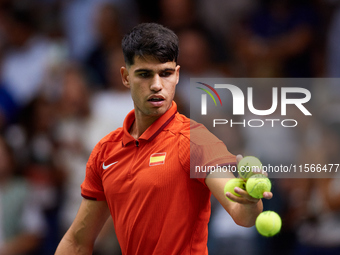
(152, 85)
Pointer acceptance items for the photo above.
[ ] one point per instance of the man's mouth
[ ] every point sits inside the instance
(155, 99)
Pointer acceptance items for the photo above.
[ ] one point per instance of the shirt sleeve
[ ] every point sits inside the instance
(92, 187)
(206, 152)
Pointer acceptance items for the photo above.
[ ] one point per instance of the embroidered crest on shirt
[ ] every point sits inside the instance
(157, 159)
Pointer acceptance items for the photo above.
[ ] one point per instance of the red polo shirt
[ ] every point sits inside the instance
(156, 207)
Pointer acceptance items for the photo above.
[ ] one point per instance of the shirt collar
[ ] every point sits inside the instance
(153, 130)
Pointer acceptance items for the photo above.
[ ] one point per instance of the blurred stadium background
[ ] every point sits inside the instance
(60, 92)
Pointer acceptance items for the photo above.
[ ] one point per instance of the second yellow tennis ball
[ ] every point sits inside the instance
(231, 184)
(268, 223)
(257, 184)
(247, 165)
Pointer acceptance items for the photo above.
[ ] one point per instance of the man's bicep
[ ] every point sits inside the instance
(90, 219)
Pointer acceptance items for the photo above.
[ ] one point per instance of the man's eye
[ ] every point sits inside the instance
(144, 75)
(166, 74)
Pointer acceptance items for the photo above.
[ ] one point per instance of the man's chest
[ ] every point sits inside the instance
(142, 169)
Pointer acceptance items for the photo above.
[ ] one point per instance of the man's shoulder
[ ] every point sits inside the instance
(200, 135)
(182, 124)
(114, 136)
(195, 132)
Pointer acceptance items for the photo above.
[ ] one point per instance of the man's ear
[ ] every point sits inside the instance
(177, 73)
(124, 72)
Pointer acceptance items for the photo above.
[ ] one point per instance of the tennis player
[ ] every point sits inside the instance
(140, 173)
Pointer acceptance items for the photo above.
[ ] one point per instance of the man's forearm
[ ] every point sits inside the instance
(80, 238)
(69, 246)
(245, 214)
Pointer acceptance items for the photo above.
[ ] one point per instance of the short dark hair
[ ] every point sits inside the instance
(150, 39)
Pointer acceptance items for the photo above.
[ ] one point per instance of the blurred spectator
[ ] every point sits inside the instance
(78, 26)
(21, 80)
(182, 15)
(333, 50)
(70, 133)
(277, 39)
(109, 107)
(178, 14)
(148, 10)
(79, 23)
(221, 16)
(51, 143)
(196, 61)
(22, 225)
(314, 207)
(8, 107)
(75, 127)
(268, 136)
(196, 55)
(38, 120)
(109, 41)
(225, 237)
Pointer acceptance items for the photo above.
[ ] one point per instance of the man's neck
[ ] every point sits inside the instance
(141, 124)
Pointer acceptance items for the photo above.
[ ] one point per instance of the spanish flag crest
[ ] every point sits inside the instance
(157, 159)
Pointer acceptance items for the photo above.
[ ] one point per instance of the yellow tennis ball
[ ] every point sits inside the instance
(247, 165)
(231, 184)
(268, 223)
(257, 184)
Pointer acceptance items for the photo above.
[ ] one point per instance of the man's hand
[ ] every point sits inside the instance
(245, 197)
(245, 209)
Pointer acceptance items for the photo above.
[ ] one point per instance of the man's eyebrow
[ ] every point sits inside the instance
(168, 69)
(149, 70)
(142, 70)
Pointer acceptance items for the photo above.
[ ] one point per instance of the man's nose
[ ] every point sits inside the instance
(156, 83)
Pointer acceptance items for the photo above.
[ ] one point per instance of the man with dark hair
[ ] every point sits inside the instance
(140, 173)
(149, 39)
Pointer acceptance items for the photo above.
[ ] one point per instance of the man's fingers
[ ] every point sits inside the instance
(238, 158)
(245, 194)
(244, 198)
(267, 195)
